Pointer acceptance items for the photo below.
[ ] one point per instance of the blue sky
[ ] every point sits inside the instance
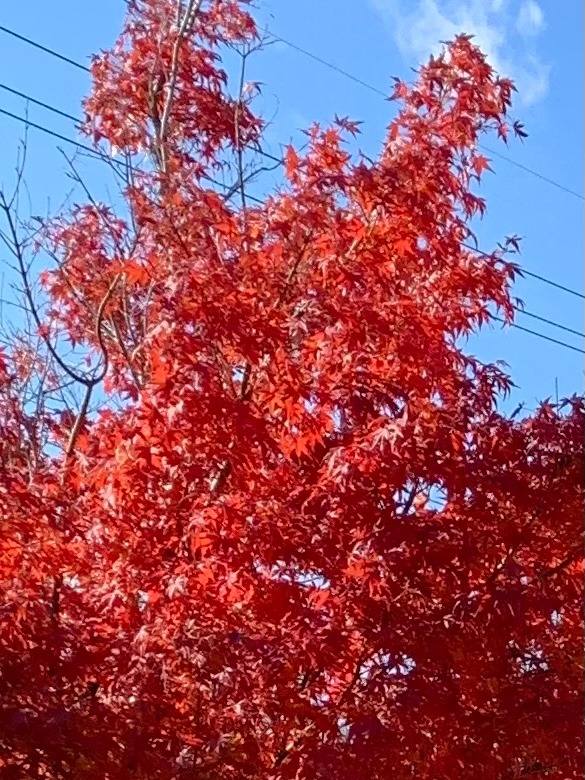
(539, 45)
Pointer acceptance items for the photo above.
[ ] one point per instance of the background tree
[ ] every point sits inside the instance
(296, 538)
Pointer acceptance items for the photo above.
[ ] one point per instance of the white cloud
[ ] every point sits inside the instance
(530, 19)
(505, 30)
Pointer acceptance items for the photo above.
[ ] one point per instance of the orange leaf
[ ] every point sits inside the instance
(291, 162)
(480, 164)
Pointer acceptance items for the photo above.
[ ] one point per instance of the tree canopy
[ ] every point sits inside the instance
(282, 529)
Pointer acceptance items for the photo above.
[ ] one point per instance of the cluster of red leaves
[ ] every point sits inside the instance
(132, 81)
(307, 546)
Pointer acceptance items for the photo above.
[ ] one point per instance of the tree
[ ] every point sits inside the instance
(281, 529)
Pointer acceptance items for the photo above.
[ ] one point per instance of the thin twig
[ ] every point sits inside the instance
(185, 28)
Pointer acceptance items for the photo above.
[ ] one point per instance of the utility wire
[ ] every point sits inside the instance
(532, 172)
(331, 66)
(93, 152)
(279, 160)
(325, 63)
(78, 122)
(60, 137)
(543, 279)
(272, 157)
(103, 158)
(550, 322)
(346, 74)
(40, 103)
(542, 336)
(530, 273)
(45, 49)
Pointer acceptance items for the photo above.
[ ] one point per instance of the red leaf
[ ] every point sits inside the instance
(480, 164)
(291, 162)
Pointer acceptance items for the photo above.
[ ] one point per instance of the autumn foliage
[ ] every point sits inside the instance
(295, 538)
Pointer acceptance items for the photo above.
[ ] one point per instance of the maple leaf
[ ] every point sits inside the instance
(519, 130)
(347, 124)
(400, 91)
(480, 164)
(291, 162)
(135, 273)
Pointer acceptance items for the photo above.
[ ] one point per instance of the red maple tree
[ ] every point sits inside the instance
(296, 538)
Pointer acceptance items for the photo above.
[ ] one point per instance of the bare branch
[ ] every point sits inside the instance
(82, 414)
(18, 252)
(185, 27)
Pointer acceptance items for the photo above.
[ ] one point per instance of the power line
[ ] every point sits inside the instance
(327, 64)
(346, 74)
(103, 158)
(60, 137)
(321, 61)
(272, 157)
(550, 322)
(40, 103)
(531, 273)
(553, 284)
(78, 122)
(331, 66)
(542, 336)
(279, 160)
(531, 171)
(97, 154)
(44, 49)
